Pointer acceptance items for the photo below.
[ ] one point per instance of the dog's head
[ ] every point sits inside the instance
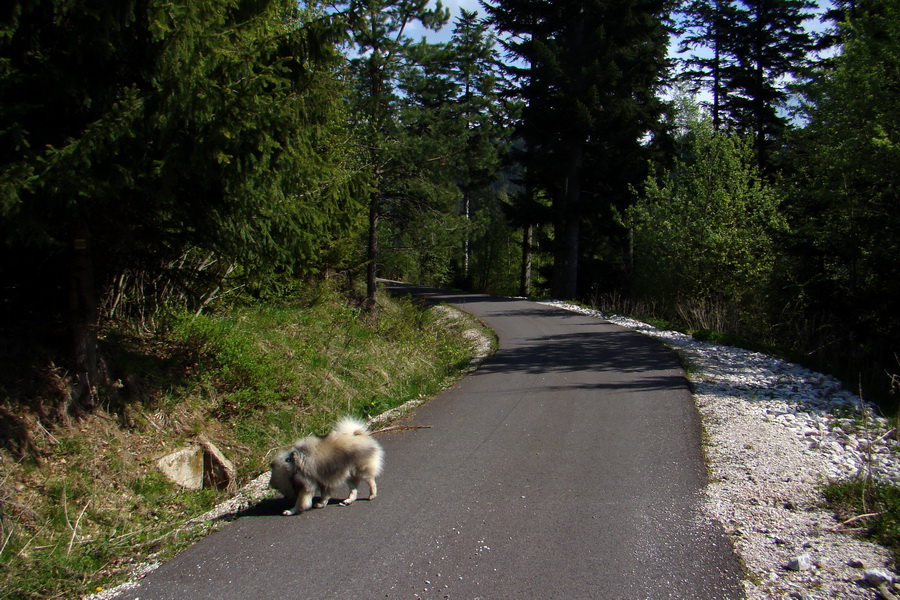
(282, 476)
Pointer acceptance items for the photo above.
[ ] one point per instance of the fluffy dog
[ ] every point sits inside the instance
(321, 463)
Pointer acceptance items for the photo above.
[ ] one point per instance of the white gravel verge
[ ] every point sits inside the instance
(775, 434)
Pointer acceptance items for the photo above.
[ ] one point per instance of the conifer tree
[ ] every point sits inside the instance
(444, 155)
(846, 202)
(755, 45)
(378, 32)
(135, 133)
(707, 24)
(770, 44)
(421, 225)
(593, 70)
(479, 111)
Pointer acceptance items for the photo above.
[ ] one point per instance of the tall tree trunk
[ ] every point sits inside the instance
(83, 320)
(760, 120)
(527, 211)
(717, 79)
(527, 247)
(565, 268)
(568, 228)
(372, 254)
(467, 209)
(719, 36)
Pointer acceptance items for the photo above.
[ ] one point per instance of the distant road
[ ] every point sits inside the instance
(568, 466)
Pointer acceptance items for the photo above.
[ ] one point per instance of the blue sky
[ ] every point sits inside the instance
(416, 31)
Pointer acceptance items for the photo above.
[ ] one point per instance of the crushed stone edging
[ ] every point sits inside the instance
(771, 435)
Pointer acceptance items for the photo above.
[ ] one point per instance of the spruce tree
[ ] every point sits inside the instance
(845, 209)
(770, 44)
(134, 135)
(377, 30)
(707, 24)
(479, 111)
(591, 81)
(755, 47)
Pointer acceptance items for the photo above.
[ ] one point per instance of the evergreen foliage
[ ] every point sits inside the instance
(590, 88)
(377, 29)
(208, 124)
(846, 193)
(138, 136)
(705, 24)
(159, 154)
(755, 45)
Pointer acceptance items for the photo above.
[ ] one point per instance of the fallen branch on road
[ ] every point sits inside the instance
(400, 427)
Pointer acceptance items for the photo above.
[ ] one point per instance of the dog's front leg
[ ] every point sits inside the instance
(324, 497)
(304, 502)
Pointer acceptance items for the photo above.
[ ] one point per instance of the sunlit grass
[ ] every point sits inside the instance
(89, 503)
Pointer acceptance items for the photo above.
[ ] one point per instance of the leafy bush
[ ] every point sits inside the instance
(704, 232)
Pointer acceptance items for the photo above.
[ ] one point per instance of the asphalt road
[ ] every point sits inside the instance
(568, 466)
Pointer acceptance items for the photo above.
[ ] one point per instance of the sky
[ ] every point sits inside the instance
(416, 31)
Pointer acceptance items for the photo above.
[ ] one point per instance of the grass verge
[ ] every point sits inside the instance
(82, 502)
(872, 511)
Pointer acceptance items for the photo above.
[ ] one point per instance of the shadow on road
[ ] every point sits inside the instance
(273, 507)
(610, 351)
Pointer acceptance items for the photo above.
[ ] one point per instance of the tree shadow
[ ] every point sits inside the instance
(592, 345)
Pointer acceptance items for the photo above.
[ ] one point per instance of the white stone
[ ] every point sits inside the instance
(803, 562)
(197, 466)
(876, 577)
(184, 467)
(218, 471)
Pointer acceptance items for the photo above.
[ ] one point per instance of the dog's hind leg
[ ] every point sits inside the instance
(373, 489)
(353, 482)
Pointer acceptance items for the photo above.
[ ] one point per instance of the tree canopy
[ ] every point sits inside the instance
(169, 155)
(590, 94)
(196, 138)
(846, 199)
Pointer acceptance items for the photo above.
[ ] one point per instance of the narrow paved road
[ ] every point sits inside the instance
(568, 466)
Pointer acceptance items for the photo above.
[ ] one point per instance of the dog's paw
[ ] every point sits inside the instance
(346, 503)
(320, 505)
(289, 513)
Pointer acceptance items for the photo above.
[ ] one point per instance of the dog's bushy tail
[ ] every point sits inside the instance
(351, 426)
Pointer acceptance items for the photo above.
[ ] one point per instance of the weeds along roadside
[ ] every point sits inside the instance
(82, 502)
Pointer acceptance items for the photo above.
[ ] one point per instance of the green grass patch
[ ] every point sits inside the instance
(873, 509)
(88, 503)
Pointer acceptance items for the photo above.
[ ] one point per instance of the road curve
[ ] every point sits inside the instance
(568, 466)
